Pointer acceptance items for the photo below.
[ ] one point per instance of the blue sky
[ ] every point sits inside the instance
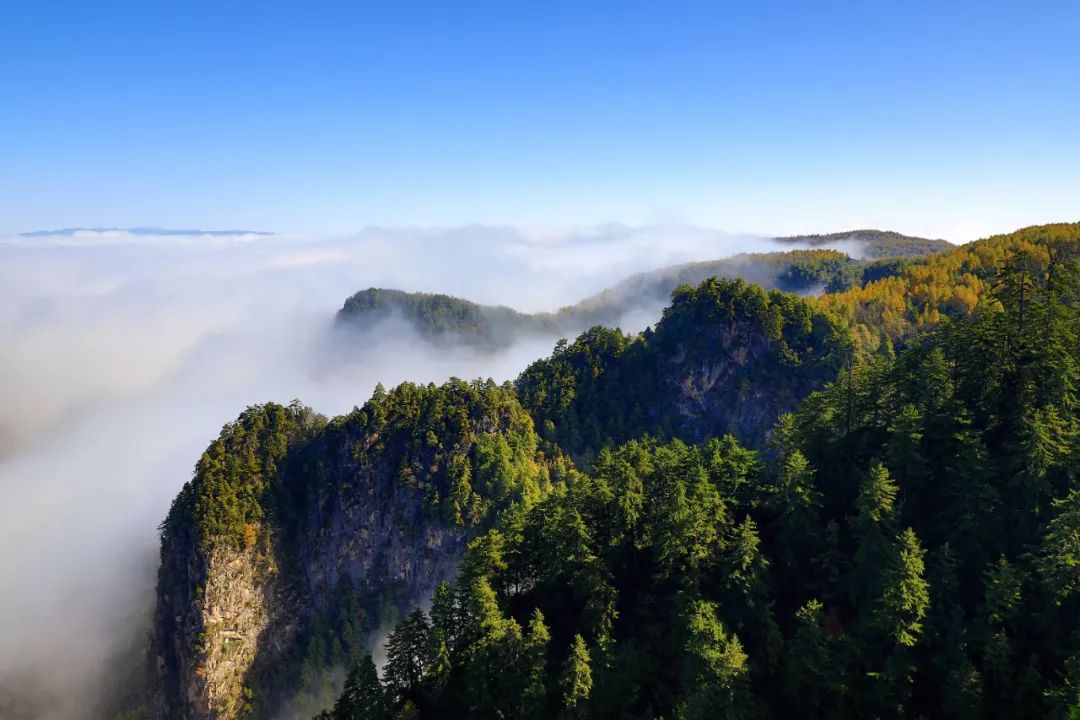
(953, 119)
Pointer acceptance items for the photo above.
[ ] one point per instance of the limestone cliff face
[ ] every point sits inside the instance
(218, 592)
(336, 528)
(377, 538)
(741, 362)
(726, 357)
(214, 641)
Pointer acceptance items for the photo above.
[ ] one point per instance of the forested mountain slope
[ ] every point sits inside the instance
(805, 272)
(726, 357)
(443, 319)
(874, 243)
(948, 284)
(701, 373)
(907, 546)
(816, 507)
(297, 538)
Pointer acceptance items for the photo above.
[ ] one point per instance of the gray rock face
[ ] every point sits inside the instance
(377, 539)
(360, 512)
(732, 379)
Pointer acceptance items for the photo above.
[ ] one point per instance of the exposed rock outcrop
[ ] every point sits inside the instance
(727, 357)
(297, 538)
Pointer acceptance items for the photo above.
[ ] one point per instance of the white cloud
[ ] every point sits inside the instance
(124, 354)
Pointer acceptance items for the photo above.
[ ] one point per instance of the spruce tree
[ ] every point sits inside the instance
(576, 679)
(364, 697)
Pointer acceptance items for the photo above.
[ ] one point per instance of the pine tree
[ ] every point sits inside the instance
(439, 667)
(906, 598)
(874, 529)
(407, 655)
(907, 459)
(445, 613)
(535, 666)
(1059, 554)
(746, 573)
(877, 498)
(717, 668)
(810, 677)
(364, 697)
(950, 682)
(797, 504)
(576, 679)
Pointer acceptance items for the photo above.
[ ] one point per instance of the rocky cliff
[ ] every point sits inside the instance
(726, 357)
(297, 538)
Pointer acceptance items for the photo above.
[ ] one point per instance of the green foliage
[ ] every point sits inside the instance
(442, 318)
(768, 348)
(876, 243)
(905, 546)
(905, 598)
(576, 679)
(822, 270)
(717, 665)
(410, 653)
(229, 496)
(893, 303)
(1059, 560)
(455, 457)
(364, 697)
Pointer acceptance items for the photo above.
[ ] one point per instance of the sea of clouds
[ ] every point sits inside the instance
(125, 352)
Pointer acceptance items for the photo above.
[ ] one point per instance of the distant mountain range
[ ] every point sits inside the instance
(868, 255)
(155, 231)
(859, 504)
(874, 243)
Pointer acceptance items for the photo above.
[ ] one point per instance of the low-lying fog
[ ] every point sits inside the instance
(123, 355)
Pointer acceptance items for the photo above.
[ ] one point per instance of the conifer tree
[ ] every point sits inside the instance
(364, 697)
(717, 667)
(535, 666)
(576, 679)
(407, 655)
(906, 597)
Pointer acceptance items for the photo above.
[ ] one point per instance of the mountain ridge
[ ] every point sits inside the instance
(445, 319)
(897, 417)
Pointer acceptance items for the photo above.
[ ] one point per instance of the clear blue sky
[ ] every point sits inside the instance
(947, 118)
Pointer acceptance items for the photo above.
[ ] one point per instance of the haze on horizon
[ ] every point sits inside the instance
(125, 353)
(950, 120)
(527, 155)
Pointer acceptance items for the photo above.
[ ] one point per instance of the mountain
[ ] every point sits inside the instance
(798, 271)
(151, 231)
(726, 357)
(905, 546)
(720, 360)
(443, 319)
(858, 505)
(298, 537)
(918, 296)
(874, 243)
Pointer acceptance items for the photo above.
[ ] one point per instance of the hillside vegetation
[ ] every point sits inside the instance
(862, 504)
(875, 243)
(726, 357)
(443, 319)
(299, 537)
(949, 284)
(908, 545)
